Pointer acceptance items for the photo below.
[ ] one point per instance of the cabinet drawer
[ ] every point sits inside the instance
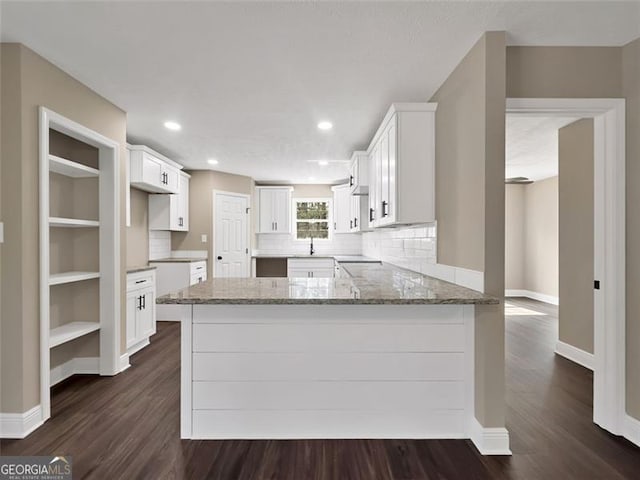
(310, 263)
(198, 268)
(198, 277)
(140, 280)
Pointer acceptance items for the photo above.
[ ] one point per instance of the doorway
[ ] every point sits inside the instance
(231, 235)
(608, 117)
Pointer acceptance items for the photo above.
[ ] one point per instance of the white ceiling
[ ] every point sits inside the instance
(532, 146)
(250, 81)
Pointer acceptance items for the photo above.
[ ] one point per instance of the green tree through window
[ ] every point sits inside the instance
(312, 219)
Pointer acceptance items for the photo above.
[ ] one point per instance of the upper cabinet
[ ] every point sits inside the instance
(151, 171)
(359, 173)
(274, 209)
(341, 208)
(358, 213)
(171, 212)
(402, 166)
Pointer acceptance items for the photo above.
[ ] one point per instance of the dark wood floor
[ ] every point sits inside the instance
(128, 427)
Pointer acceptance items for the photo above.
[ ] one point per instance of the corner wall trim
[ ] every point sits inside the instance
(576, 355)
(632, 429)
(541, 297)
(490, 441)
(19, 425)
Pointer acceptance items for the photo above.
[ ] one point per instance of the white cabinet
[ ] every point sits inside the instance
(310, 267)
(179, 274)
(402, 166)
(359, 173)
(341, 208)
(151, 171)
(274, 209)
(358, 213)
(171, 212)
(141, 309)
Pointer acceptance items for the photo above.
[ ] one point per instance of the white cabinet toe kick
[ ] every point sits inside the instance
(327, 371)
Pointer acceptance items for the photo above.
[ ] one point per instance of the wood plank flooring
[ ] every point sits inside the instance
(127, 427)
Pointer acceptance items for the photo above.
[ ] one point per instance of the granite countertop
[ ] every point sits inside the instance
(338, 258)
(369, 284)
(140, 268)
(178, 260)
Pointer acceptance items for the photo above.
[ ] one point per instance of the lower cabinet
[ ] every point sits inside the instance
(141, 309)
(310, 268)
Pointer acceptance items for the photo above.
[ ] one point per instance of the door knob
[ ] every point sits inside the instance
(219, 257)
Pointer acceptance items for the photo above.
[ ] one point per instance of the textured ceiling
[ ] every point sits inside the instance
(532, 146)
(250, 81)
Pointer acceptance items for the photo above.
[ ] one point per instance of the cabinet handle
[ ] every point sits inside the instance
(371, 218)
(350, 223)
(144, 302)
(335, 226)
(384, 208)
(351, 180)
(355, 223)
(276, 225)
(140, 281)
(139, 299)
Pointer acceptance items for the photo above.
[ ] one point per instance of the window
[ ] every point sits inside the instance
(312, 218)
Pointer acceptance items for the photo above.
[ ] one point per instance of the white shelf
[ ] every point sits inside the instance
(72, 222)
(69, 277)
(70, 168)
(70, 331)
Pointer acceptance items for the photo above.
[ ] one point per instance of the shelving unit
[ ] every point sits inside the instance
(70, 277)
(59, 222)
(80, 291)
(71, 331)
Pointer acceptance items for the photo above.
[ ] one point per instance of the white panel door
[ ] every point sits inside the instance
(231, 248)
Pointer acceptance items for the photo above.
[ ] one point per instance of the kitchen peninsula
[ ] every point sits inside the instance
(380, 353)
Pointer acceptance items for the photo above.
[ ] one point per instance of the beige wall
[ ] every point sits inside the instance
(470, 200)
(631, 91)
(575, 161)
(29, 81)
(595, 72)
(138, 232)
(514, 237)
(201, 186)
(312, 191)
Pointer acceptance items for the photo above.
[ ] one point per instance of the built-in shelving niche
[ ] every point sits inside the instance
(79, 252)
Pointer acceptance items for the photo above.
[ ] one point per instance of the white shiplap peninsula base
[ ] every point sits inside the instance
(294, 371)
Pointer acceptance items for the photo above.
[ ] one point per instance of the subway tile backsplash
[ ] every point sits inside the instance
(413, 247)
(159, 244)
(340, 244)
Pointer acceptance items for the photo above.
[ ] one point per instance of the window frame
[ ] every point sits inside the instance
(329, 220)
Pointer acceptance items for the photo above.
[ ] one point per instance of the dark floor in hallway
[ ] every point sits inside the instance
(128, 426)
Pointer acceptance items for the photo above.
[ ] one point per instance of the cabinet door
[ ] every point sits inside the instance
(392, 171)
(182, 215)
(383, 179)
(152, 171)
(374, 186)
(171, 182)
(282, 210)
(354, 213)
(132, 310)
(265, 211)
(145, 316)
(353, 174)
(341, 209)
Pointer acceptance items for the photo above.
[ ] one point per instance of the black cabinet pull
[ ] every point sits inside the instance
(355, 222)
(371, 214)
(384, 208)
(140, 281)
(351, 180)
(139, 299)
(350, 223)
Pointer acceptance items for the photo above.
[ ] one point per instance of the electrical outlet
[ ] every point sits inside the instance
(203, 237)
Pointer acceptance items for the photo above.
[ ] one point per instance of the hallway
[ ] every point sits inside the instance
(128, 426)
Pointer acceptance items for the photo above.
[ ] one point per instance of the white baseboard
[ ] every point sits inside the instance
(632, 429)
(124, 362)
(576, 355)
(80, 365)
(137, 347)
(490, 441)
(541, 297)
(19, 425)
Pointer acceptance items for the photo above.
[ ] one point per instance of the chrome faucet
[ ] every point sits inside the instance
(311, 250)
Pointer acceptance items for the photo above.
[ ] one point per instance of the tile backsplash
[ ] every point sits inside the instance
(340, 244)
(413, 247)
(159, 244)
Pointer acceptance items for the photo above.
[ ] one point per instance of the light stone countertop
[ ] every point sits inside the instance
(140, 268)
(369, 284)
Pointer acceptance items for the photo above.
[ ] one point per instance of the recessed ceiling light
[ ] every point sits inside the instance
(325, 125)
(311, 179)
(323, 163)
(172, 126)
(212, 161)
